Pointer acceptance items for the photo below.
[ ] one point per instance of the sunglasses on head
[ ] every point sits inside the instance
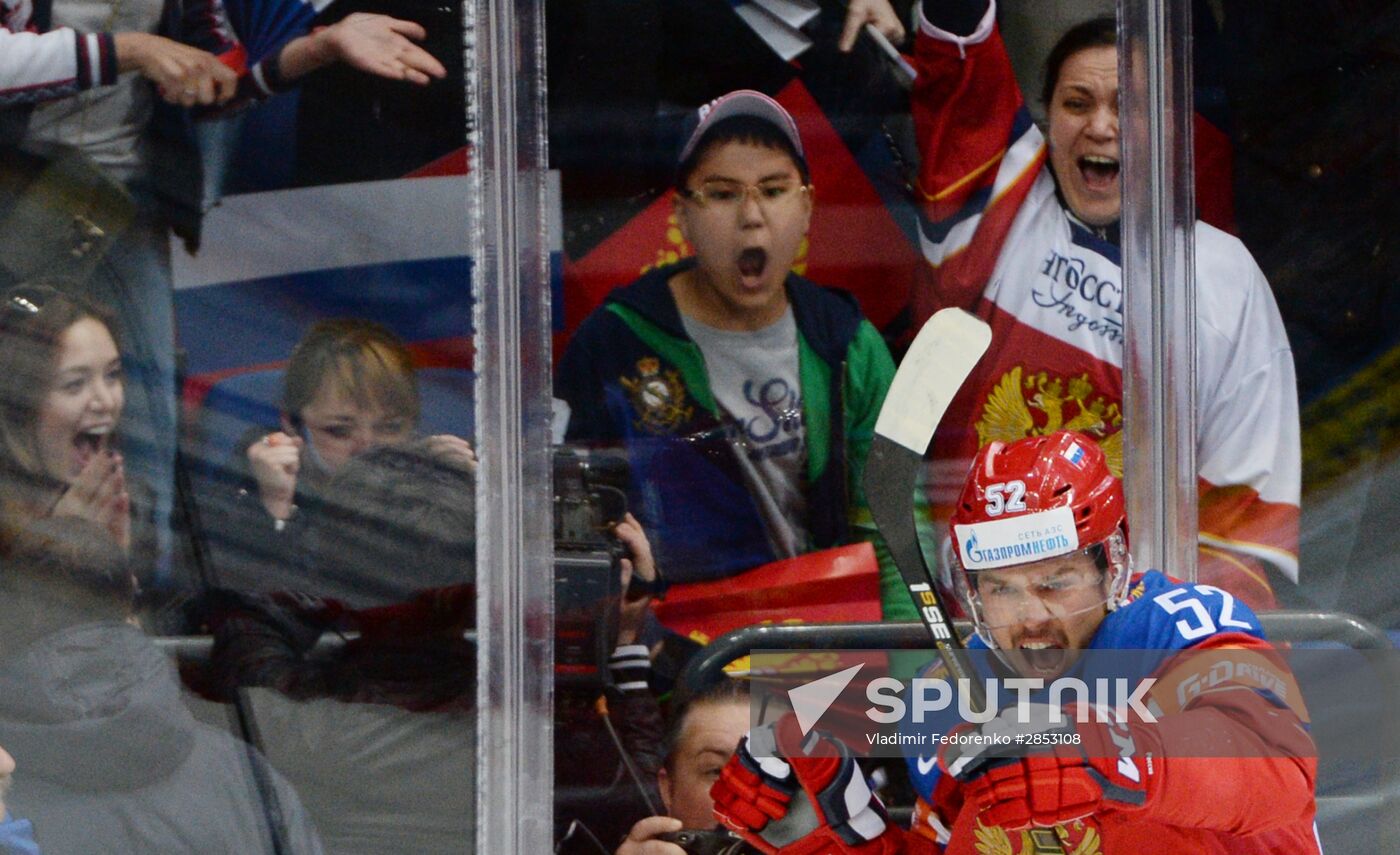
(25, 302)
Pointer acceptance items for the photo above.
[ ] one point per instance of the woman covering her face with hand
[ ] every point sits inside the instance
(349, 387)
(61, 397)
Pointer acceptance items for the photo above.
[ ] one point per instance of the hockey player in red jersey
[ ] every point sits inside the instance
(1229, 770)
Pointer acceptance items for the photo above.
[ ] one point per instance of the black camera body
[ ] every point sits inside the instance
(708, 842)
(590, 497)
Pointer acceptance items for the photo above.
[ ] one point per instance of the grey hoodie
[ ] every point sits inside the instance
(109, 758)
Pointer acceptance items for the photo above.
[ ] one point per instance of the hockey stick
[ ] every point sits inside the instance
(938, 362)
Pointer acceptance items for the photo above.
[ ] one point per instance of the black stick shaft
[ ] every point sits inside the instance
(891, 473)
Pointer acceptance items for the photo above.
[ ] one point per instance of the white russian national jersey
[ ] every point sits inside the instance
(38, 67)
(1000, 243)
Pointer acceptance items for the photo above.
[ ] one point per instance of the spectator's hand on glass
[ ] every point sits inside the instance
(183, 75)
(641, 840)
(875, 12)
(633, 608)
(454, 448)
(275, 460)
(381, 45)
(99, 494)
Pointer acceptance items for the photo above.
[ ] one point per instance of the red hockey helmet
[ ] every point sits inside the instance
(1033, 499)
(1039, 474)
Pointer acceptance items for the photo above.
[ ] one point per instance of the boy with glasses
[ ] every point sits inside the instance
(745, 395)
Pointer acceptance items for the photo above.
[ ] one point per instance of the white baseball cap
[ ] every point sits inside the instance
(743, 102)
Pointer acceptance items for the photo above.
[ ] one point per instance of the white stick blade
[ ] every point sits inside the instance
(938, 363)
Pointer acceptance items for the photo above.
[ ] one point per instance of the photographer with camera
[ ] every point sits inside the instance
(630, 707)
(700, 737)
(609, 709)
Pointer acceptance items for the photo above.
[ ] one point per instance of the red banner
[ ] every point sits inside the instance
(837, 585)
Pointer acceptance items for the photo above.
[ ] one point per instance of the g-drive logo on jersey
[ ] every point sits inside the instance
(1017, 540)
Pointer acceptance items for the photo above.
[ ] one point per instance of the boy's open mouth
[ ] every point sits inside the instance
(752, 262)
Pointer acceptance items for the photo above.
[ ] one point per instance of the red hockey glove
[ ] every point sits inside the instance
(1093, 766)
(790, 795)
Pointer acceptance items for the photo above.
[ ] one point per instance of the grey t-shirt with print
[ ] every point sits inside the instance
(754, 378)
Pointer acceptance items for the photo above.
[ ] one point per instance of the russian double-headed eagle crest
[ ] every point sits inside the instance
(657, 397)
(1076, 838)
(1010, 412)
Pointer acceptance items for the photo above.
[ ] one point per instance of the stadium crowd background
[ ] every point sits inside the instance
(343, 197)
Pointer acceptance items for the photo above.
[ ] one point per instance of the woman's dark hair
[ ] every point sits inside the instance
(1095, 32)
(33, 319)
(370, 362)
(742, 129)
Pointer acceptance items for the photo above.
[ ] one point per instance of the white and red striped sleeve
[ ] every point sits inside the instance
(38, 67)
(980, 156)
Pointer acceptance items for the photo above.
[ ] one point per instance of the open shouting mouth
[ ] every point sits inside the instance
(91, 442)
(752, 262)
(1100, 173)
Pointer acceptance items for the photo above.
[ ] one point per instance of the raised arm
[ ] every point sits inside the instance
(375, 44)
(980, 152)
